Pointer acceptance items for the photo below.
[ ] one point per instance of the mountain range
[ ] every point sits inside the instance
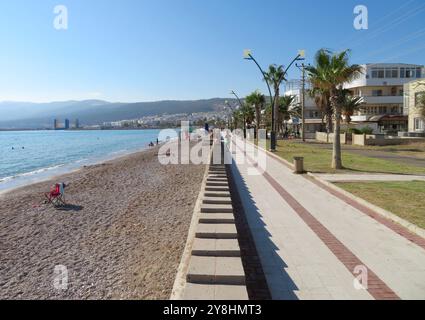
(29, 115)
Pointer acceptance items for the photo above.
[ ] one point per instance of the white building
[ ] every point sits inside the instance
(382, 88)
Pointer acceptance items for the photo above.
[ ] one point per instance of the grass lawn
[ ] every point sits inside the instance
(318, 160)
(413, 149)
(405, 199)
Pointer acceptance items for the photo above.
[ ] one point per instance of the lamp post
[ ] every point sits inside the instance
(248, 56)
(243, 112)
(230, 115)
(303, 80)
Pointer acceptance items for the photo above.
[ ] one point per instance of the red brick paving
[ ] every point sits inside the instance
(378, 289)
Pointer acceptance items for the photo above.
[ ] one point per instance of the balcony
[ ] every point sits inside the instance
(383, 99)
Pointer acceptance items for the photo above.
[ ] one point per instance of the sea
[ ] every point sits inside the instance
(32, 156)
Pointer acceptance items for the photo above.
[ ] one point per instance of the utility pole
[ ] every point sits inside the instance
(302, 68)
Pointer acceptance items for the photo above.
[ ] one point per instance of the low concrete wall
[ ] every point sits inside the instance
(329, 138)
(379, 140)
(322, 137)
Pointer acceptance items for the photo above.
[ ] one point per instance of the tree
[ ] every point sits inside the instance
(351, 105)
(257, 100)
(329, 74)
(237, 118)
(321, 99)
(274, 77)
(287, 110)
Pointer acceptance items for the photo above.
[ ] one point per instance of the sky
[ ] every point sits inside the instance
(147, 50)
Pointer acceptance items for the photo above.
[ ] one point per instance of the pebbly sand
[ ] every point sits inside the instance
(121, 237)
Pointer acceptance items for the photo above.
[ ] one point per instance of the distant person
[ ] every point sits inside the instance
(157, 141)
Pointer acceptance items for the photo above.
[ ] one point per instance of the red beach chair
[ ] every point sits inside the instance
(56, 196)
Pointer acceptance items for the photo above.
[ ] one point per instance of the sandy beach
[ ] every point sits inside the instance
(120, 237)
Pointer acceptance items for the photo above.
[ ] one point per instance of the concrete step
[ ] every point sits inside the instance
(216, 270)
(218, 194)
(217, 200)
(216, 208)
(217, 179)
(217, 188)
(216, 231)
(219, 170)
(217, 218)
(215, 175)
(195, 291)
(218, 184)
(216, 248)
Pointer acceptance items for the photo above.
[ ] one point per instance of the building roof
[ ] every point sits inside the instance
(388, 117)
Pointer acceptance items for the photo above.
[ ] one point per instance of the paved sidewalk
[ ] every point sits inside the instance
(311, 243)
(368, 177)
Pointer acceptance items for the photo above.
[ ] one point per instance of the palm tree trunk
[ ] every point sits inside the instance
(258, 119)
(336, 157)
(276, 108)
(329, 123)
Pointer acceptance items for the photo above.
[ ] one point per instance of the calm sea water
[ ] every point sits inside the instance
(29, 156)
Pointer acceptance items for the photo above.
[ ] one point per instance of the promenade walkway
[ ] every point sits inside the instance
(314, 243)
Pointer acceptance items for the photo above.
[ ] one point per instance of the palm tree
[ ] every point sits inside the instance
(287, 110)
(257, 101)
(274, 77)
(330, 75)
(351, 105)
(321, 99)
(237, 118)
(248, 113)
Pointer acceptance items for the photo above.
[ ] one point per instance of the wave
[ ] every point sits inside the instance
(31, 173)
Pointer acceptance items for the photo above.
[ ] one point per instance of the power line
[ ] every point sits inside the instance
(410, 37)
(378, 21)
(391, 25)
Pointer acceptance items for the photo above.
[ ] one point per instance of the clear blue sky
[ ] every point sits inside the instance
(145, 50)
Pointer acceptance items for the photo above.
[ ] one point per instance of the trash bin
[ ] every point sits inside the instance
(299, 165)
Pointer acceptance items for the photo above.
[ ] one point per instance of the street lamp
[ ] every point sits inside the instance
(243, 112)
(230, 108)
(248, 56)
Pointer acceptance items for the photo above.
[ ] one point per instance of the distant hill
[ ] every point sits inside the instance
(92, 112)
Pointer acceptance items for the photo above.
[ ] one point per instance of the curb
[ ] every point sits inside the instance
(382, 212)
(387, 214)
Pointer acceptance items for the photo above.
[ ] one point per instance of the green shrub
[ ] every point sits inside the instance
(354, 131)
(367, 130)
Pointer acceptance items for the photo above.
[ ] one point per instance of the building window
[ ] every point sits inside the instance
(418, 73)
(391, 73)
(419, 124)
(378, 73)
(376, 93)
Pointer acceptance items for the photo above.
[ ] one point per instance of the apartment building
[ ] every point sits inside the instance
(413, 107)
(382, 88)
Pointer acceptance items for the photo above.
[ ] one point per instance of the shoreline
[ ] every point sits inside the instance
(121, 236)
(28, 178)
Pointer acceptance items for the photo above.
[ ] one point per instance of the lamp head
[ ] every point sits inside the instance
(247, 54)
